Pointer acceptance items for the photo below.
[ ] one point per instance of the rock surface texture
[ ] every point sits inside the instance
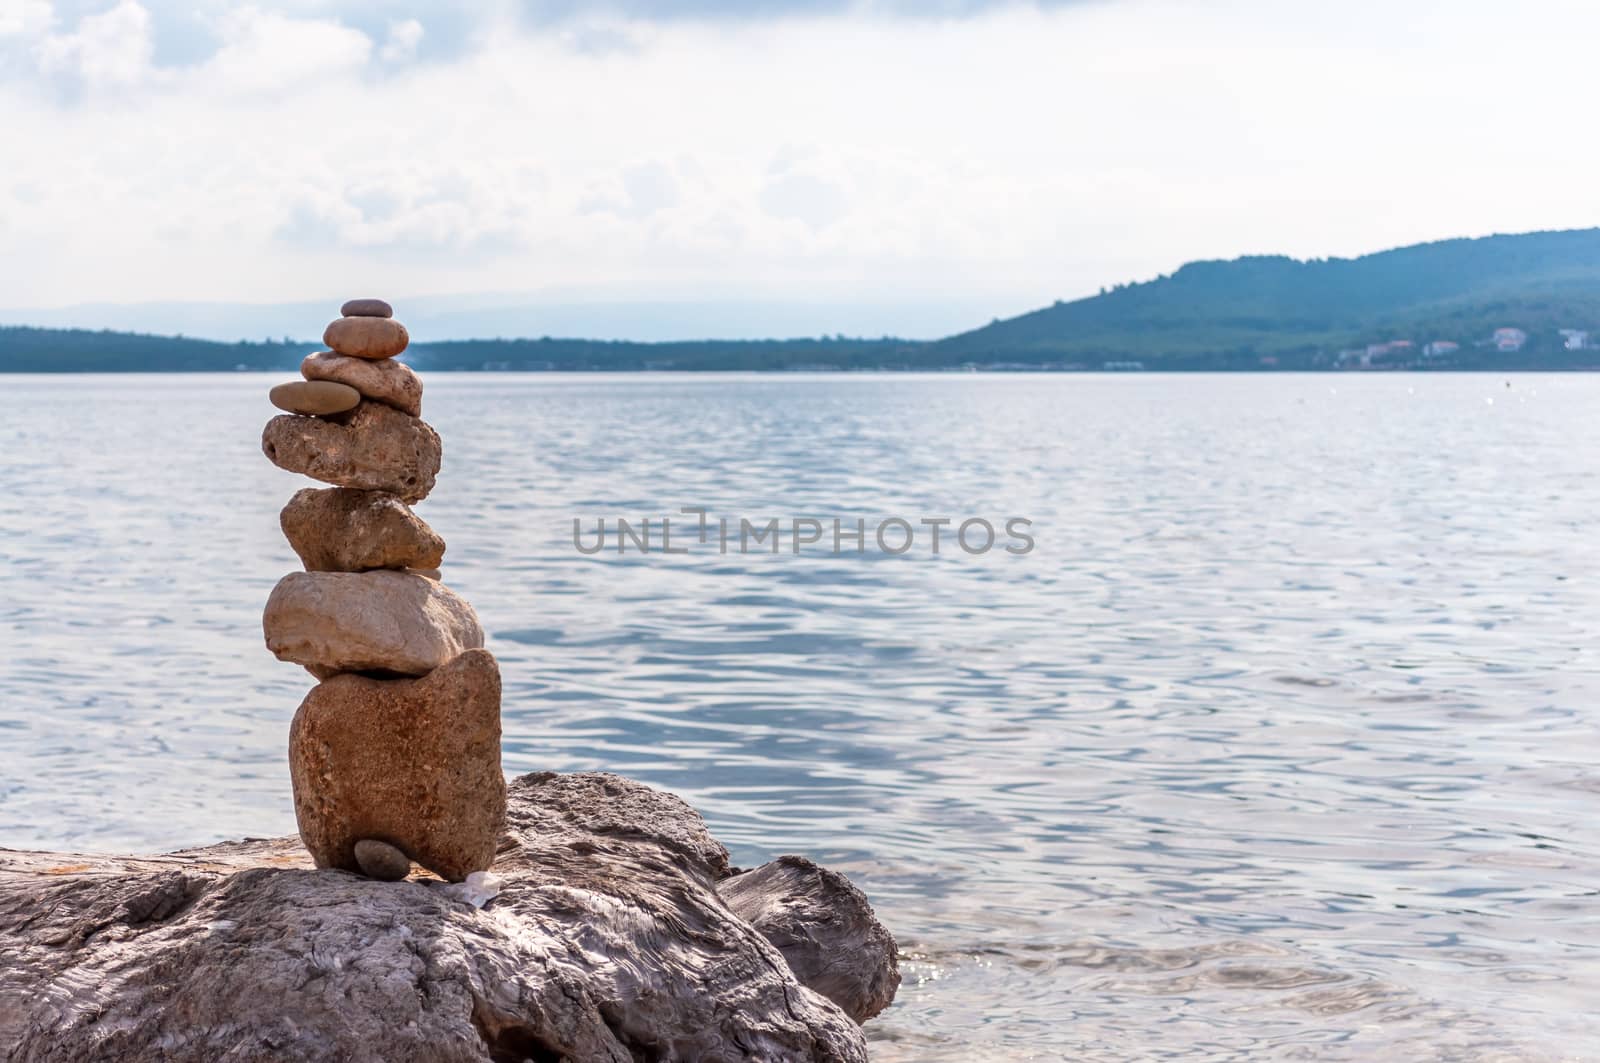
(609, 940)
(413, 763)
(374, 447)
(397, 623)
(825, 929)
(387, 381)
(338, 529)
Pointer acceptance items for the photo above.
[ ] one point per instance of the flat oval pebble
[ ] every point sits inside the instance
(367, 308)
(381, 861)
(366, 337)
(314, 398)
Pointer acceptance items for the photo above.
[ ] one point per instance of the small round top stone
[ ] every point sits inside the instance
(366, 308)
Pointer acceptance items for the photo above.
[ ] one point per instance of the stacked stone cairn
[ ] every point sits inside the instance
(395, 754)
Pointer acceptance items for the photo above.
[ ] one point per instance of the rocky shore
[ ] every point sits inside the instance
(618, 933)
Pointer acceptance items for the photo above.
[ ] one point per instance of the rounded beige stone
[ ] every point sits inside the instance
(366, 337)
(386, 380)
(384, 622)
(314, 398)
(366, 308)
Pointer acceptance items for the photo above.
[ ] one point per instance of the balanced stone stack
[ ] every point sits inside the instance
(395, 754)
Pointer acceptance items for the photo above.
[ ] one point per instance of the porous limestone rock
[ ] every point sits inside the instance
(825, 929)
(381, 861)
(366, 308)
(373, 447)
(607, 941)
(314, 398)
(388, 381)
(366, 337)
(383, 622)
(340, 529)
(411, 762)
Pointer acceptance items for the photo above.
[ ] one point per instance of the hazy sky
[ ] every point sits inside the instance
(920, 157)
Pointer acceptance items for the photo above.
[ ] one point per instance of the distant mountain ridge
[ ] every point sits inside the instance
(1257, 312)
(1229, 313)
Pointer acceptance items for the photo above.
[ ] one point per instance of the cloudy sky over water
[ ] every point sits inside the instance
(911, 167)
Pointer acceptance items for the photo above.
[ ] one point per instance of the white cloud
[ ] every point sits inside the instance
(1021, 155)
(263, 51)
(802, 186)
(24, 17)
(108, 50)
(401, 45)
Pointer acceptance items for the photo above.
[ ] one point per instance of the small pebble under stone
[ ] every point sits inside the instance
(382, 861)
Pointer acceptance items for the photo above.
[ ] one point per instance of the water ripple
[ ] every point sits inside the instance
(1281, 744)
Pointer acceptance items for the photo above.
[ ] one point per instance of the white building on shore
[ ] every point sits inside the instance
(1509, 339)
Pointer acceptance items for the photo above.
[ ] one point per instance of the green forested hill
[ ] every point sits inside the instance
(1238, 311)
(1249, 313)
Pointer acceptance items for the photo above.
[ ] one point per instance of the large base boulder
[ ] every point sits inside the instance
(411, 762)
(608, 941)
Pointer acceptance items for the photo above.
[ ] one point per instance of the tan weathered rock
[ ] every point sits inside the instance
(314, 398)
(381, 861)
(384, 622)
(415, 763)
(366, 337)
(367, 308)
(374, 447)
(340, 529)
(386, 380)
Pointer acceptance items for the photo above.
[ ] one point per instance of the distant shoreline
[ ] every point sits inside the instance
(1523, 303)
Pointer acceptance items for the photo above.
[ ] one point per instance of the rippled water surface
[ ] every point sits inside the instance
(1283, 742)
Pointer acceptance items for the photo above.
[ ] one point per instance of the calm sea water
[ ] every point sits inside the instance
(1284, 742)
